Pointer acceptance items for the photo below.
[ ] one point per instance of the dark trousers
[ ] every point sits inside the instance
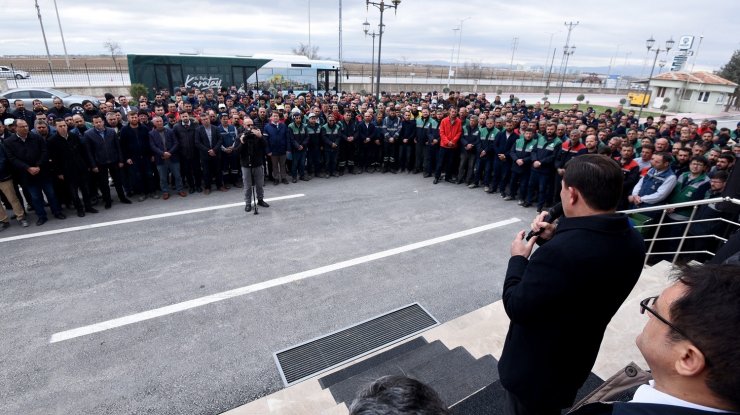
(102, 178)
(405, 154)
(467, 165)
(519, 184)
(141, 176)
(390, 154)
(500, 175)
(330, 158)
(368, 154)
(211, 170)
(230, 168)
(444, 158)
(298, 165)
(514, 406)
(314, 159)
(541, 183)
(73, 186)
(431, 152)
(190, 171)
(38, 187)
(485, 167)
(347, 155)
(419, 151)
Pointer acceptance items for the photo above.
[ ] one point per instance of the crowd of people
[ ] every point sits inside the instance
(190, 141)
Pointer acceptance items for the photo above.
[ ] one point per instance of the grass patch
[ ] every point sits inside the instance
(601, 108)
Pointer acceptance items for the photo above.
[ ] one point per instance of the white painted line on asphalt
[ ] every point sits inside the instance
(139, 219)
(186, 305)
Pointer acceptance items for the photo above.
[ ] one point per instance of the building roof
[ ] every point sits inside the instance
(695, 78)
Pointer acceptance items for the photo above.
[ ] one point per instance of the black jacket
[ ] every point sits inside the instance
(635, 408)
(201, 141)
(252, 151)
(560, 302)
(31, 153)
(68, 156)
(135, 143)
(186, 138)
(103, 150)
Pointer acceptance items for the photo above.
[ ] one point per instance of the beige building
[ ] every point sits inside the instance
(698, 92)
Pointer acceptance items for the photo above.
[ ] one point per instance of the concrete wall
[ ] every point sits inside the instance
(467, 87)
(676, 104)
(96, 91)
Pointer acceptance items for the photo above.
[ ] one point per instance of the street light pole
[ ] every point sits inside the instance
(567, 51)
(43, 33)
(381, 6)
(459, 45)
(649, 43)
(452, 56)
(64, 44)
(366, 28)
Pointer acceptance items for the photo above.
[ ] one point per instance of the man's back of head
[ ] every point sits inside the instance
(397, 395)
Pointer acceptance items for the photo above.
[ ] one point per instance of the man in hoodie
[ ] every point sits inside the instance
(450, 131)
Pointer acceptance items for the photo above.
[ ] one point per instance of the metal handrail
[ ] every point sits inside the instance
(687, 223)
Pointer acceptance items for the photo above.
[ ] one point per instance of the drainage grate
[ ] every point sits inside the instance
(315, 356)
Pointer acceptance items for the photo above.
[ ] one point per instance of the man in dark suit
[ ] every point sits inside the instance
(106, 158)
(164, 145)
(186, 134)
(70, 162)
(562, 298)
(208, 142)
(28, 154)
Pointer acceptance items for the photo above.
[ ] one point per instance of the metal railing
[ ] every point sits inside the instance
(78, 74)
(652, 234)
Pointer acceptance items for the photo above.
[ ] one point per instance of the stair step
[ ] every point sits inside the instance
(442, 365)
(346, 390)
(359, 367)
(466, 380)
(487, 401)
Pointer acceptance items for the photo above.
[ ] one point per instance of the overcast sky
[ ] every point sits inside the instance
(421, 30)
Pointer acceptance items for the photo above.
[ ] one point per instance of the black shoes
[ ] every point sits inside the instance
(4, 226)
(248, 207)
(436, 180)
(81, 213)
(108, 204)
(41, 221)
(91, 210)
(262, 203)
(126, 201)
(60, 216)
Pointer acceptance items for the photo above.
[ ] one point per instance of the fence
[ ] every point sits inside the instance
(78, 74)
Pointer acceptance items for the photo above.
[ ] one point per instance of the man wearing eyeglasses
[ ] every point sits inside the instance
(690, 342)
(562, 298)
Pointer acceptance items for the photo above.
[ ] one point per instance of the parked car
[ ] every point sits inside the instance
(46, 96)
(7, 72)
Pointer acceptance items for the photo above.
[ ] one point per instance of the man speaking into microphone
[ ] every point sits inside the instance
(561, 298)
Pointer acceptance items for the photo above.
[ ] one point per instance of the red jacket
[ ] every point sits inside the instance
(449, 133)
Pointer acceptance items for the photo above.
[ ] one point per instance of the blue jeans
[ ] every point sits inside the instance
(35, 186)
(542, 182)
(298, 166)
(169, 167)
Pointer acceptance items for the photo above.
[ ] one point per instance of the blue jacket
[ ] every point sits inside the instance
(277, 139)
(158, 148)
(365, 131)
(503, 145)
(105, 149)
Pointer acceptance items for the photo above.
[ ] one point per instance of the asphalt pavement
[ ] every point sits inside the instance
(211, 357)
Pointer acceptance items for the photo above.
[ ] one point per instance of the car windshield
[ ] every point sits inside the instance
(57, 93)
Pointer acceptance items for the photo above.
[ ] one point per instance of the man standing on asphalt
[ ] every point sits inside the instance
(450, 131)
(186, 133)
(69, 158)
(208, 142)
(27, 152)
(561, 297)
(164, 145)
(251, 148)
(7, 188)
(105, 158)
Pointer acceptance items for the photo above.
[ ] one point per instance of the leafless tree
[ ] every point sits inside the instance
(114, 48)
(311, 52)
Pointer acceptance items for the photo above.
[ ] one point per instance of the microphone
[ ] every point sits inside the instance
(552, 214)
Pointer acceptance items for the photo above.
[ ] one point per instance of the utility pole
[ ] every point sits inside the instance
(566, 52)
(64, 44)
(452, 55)
(459, 45)
(611, 62)
(547, 57)
(43, 33)
(309, 27)
(514, 44)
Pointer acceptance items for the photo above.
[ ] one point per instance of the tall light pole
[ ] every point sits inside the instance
(366, 29)
(382, 6)
(567, 51)
(459, 44)
(650, 43)
(570, 26)
(64, 44)
(43, 33)
(547, 57)
(341, 67)
(452, 56)
(514, 44)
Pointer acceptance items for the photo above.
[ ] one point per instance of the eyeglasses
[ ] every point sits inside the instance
(650, 301)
